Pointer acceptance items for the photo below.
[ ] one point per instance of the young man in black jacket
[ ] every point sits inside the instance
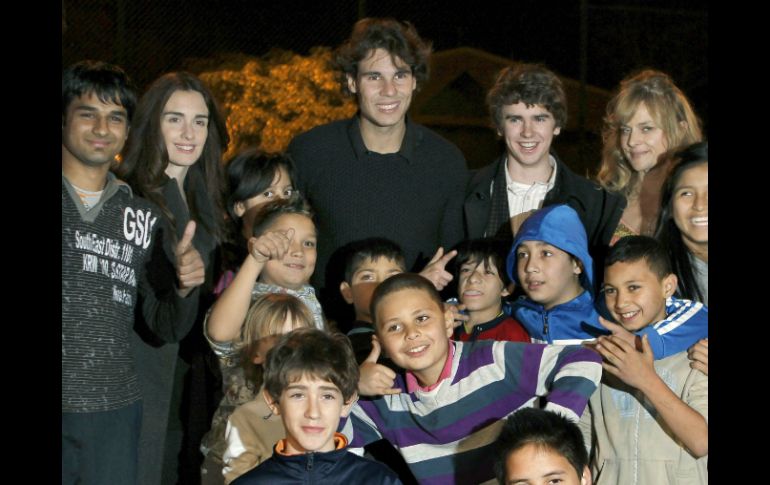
(529, 108)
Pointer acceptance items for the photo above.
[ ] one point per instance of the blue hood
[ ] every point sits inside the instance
(560, 226)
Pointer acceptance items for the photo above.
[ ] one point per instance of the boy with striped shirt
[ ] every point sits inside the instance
(455, 395)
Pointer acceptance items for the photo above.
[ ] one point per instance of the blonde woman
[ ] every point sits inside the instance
(647, 120)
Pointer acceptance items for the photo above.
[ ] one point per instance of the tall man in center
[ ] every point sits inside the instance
(379, 173)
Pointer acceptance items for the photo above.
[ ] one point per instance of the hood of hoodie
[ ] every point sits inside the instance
(559, 226)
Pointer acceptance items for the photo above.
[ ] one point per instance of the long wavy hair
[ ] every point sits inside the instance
(668, 107)
(146, 157)
(668, 233)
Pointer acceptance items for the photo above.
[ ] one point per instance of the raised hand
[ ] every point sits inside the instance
(435, 269)
(375, 379)
(620, 332)
(622, 360)
(190, 270)
(270, 245)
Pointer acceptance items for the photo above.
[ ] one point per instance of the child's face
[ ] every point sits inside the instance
(480, 288)
(691, 207)
(414, 331)
(365, 279)
(310, 410)
(548, 275)
(634, 294)
(297, 265)
(280, 188)
(538, 465)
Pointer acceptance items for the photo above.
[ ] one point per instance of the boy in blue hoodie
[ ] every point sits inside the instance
(549, 260)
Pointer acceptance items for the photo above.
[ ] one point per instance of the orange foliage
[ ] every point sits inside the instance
(271, 99)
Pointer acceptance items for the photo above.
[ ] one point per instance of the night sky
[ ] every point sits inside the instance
(149, 37)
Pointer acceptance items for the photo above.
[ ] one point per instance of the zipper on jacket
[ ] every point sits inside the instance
(310, 461)
(545, 326)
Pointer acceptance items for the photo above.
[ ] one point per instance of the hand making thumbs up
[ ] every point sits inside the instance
(190, 270)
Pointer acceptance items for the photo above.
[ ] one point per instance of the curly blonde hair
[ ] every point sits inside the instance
(669, 109)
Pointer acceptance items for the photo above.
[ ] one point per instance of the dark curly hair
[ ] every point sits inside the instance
(400, 39)
(530, 84)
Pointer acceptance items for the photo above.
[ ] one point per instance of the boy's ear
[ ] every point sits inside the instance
(577, 268)
(348, 405)
(239, 208)
(258, 359)
(449, 323)
(586, 478)
(346, 292)
(556, 130)
(274, 408)
(669, 285)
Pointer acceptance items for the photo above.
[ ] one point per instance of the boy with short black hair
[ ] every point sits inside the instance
(649, 418)
(482, 285)
(310, 381)
(456, 394)
(549, 259)
(539, 447)
(368, 262)
(109, 246)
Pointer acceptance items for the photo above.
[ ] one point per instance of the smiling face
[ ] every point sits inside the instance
(384, 89)
(93, 132)
(184, 125)
(528, 132)
(634, 294)
(642, 140)
(690, 207)
(310, 409)
(414, 331)
(533, 464)
(481, 289)
(297, 265)
(548, 275)
(369, 274)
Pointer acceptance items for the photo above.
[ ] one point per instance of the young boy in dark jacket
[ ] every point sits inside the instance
(310, 381)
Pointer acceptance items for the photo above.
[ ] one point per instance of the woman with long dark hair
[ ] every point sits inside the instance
(173, 158)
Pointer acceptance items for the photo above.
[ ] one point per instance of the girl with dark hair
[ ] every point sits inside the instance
(683, 229)
(173, 158)
(254, 179)
(684, 221)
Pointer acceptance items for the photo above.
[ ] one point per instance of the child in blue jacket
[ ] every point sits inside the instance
(549, 259)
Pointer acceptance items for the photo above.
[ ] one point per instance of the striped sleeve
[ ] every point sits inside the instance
(567, 378)
(686, 323)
